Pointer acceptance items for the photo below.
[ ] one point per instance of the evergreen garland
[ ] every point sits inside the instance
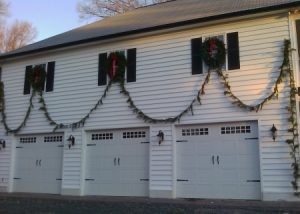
(140, 114)
(236, 101)
(293, 129)
(79, 123)
(3, 114)
(284, 69)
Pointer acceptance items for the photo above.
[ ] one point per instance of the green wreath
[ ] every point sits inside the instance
(37, 77)
(119, 60)
(213, 52)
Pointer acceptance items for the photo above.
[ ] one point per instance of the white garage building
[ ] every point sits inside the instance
(215, 149)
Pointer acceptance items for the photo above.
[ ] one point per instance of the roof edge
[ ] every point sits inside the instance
(156, 28)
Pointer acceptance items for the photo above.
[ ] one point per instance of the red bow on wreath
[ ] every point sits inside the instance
(212, 47)
(37, 77)
(113, 69)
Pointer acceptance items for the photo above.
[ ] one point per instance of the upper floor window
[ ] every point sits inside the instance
(232, 62)
(130, 72)
(48, 82)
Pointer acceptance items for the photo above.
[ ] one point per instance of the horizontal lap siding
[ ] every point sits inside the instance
(5, 157)
(72, 162)
(161, 159)
(165, 87)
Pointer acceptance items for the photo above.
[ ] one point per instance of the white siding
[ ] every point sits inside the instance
(5, 157)
(161, 159)
(163, 89)
(72, 162)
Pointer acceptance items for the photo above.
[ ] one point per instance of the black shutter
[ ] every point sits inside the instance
(50, 76)
(123, 68)
(102, 75)
(233, 51)
(27, 85)
(197, 66)
(131, 65)
(44, 79)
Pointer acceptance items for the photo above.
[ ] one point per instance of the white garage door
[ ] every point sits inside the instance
(218, 161)
(117, 163)
(38, 167)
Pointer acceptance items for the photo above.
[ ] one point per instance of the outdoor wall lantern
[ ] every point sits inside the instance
(274, 132)
(160, 136)
(2, 144)
(71, 141)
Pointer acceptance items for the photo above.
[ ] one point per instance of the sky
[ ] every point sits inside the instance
(49, 17)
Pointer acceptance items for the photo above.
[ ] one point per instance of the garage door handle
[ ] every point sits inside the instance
(213, 160)
(115, 161)
(119, 161)
(40, 162)
(218, 160)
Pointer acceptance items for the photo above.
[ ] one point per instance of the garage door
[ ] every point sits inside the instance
(117, 163)
(218, 161)
(38, 167)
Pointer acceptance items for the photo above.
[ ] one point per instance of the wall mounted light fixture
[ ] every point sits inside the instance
(160, 136)
(71, 141)
(2, 144)
(274, 132)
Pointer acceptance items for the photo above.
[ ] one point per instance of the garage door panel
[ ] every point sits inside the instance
(250, 191)
(118, 164)
(132, 176)
(229, 190)
(186, 149)
(224, 176)
(226, 147)
(133, 189)
(221, 163)
(205, 176)
(39, 163)
(188, 162)
(250, 148)
(227, 161)
(25, 164)
(247, 161)
(201, 191)
(246, 174)
(106, 175)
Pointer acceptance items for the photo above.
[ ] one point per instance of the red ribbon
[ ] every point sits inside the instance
(212, 46)
(37, 77)
(113, 66)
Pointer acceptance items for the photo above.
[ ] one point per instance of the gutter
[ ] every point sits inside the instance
(156, 28)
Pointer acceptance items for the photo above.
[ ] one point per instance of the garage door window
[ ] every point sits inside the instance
(134, 135)
(28, 140)
(102, 136)
(51, 139)
(236, 130)
(195, 132)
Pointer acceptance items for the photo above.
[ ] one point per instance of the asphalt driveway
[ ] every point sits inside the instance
(52, 204)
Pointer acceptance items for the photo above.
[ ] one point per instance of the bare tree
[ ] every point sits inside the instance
(104, 8)
(16, 35)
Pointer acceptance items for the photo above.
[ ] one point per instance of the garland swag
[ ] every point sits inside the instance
(214, 56)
